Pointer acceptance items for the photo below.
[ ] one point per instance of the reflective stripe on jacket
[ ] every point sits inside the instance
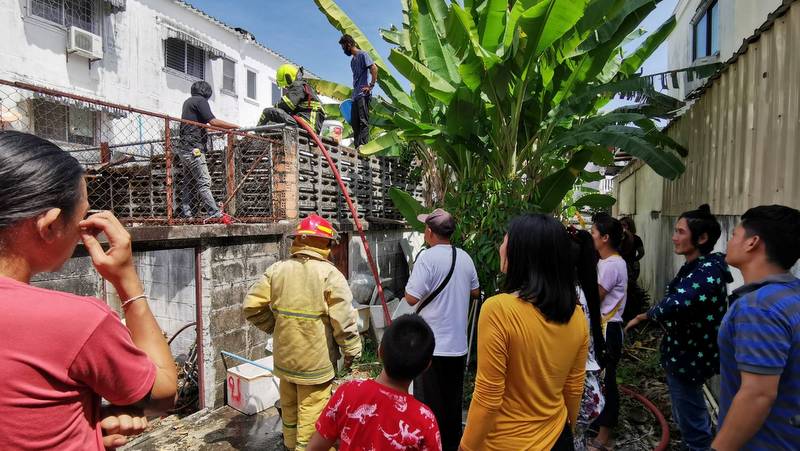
(306, 303)
(300, 98)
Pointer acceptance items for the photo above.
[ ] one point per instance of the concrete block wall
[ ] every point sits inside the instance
(228, 271)
(77, 276)
(229, 266)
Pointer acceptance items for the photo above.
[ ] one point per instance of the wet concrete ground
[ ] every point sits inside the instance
(223, 429)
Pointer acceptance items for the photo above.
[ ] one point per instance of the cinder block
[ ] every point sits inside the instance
(227, 319)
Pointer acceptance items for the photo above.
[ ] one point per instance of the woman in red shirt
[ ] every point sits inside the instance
(60, 353)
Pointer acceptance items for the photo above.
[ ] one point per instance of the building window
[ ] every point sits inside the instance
(706, 32)
(64, 123)
(185, 58)
(228, 76)
(78, 13)
(251, 84)
(276, 93)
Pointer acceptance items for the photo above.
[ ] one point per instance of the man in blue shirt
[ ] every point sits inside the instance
(759, 338)
(361, 64)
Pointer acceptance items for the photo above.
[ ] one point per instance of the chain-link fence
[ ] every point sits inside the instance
(149, 168)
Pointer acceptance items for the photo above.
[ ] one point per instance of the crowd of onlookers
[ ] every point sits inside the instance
(548, 344)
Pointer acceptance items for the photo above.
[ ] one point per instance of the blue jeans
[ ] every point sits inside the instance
(690, 413)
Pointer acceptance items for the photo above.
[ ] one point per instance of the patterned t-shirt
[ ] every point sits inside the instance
(367, 415)
(690, 313)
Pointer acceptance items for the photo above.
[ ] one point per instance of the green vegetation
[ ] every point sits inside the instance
(504, 110)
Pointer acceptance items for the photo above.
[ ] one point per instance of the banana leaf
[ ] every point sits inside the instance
(409, 207)
(633, 62)
(331, 89)
(596, 201)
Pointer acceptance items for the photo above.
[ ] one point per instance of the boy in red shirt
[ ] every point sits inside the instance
(379, 414)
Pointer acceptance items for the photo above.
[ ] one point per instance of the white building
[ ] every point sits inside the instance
(710, 31)
(142, 53)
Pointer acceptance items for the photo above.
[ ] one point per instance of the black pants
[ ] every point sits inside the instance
(610, 414)
(360, 121)
(441, 387)
(565, 441)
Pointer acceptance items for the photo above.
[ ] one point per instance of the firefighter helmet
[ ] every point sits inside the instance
(286, 75)
(314, 225)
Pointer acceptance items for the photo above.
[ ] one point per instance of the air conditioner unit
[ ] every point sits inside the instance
(85, 44)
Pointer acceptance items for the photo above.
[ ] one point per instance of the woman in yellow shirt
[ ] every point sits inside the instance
(532, 345)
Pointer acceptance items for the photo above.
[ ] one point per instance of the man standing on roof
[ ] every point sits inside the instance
(298, 98)
(306, 304)
(360, 64)
(196, 180)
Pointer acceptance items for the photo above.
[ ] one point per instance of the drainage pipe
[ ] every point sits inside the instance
(199, 335)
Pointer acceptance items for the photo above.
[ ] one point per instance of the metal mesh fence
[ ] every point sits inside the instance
(149, 168)
(142, 166)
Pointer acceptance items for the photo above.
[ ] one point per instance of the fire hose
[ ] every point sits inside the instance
(353, 211)
(662, 444)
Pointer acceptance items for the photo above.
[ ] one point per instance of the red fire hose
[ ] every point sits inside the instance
(662, 445)
(370, 260)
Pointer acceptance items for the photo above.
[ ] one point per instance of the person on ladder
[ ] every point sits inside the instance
(298, 99)
(306, 304)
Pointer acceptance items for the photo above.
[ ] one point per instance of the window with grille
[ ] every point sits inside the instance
(228, 75)
(276, 93)
(705, 32)
(64, 123)
(185, 58)
(79, 13)
(251, 84)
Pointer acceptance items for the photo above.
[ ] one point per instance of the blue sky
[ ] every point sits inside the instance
(297, 30)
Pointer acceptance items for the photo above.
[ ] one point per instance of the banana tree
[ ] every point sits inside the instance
(509, 97)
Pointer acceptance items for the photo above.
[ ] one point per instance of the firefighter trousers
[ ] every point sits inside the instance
(301, 405)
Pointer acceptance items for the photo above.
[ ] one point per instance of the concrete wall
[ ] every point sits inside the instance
(132, 71)
(738, 20)
(229, 265)
(228, 272)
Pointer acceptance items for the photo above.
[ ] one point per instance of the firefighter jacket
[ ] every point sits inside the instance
(301, 99)
(306, 304)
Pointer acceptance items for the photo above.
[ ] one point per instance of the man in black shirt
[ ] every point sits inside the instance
(196, 180)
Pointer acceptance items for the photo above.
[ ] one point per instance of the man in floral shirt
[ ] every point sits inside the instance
(690, 314)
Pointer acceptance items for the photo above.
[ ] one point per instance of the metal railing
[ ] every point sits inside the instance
(141, 166)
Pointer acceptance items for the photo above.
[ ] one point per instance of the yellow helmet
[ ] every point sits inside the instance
(286, 75)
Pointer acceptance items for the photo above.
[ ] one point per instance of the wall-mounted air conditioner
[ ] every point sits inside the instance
(85, 44)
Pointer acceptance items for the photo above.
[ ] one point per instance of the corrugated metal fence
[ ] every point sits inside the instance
(743, 133)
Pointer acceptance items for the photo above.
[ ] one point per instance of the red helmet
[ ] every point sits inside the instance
(314, 225)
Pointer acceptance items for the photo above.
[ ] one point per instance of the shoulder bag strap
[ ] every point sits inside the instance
(441, 286)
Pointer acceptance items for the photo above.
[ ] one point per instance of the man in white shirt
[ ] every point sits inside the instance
(441, 387)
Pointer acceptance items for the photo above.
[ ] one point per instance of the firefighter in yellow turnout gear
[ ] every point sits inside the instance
(306, 304)
(298, 98)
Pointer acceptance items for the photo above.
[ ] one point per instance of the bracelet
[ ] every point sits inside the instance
(135, 298)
